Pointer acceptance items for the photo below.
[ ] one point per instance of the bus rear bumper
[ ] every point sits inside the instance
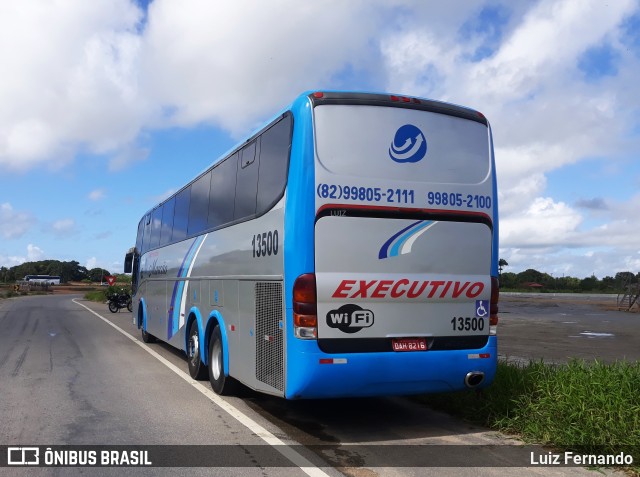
(315, 374)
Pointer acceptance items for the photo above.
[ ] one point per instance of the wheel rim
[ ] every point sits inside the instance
(193, 348)
(216, 360)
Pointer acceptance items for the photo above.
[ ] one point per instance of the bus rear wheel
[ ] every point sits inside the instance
(221, 384)
(197, 369)
(147, 337)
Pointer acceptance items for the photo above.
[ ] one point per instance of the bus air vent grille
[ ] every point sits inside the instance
(269, 339)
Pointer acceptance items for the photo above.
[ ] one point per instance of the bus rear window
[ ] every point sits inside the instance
(372, 141)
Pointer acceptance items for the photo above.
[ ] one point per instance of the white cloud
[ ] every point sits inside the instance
(543, 224)
(34, 253)
(211, 65)
(97, 194)
(72, 82)
(14, 224)
(126, 157)
(63, 227)
(91, 263)
(11, 260)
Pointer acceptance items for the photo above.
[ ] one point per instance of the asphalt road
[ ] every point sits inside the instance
(68, 377)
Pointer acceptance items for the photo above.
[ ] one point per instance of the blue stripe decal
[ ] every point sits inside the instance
(385, 248)
(173, 321)
(384, 251)
(395, 250)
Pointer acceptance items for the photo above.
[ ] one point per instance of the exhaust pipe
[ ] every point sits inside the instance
(473, 379)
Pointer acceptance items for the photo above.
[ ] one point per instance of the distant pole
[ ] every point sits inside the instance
(101, 274)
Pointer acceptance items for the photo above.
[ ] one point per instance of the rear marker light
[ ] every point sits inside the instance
(479, 356)
(318, 95)
(333, 360)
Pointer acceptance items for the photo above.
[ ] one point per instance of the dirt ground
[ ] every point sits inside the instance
(557, 328)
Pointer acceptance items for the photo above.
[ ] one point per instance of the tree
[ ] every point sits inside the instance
(589, 283)
(97, 274)
(625, 278)
(534, 276)
(501, 264)
(508, 280)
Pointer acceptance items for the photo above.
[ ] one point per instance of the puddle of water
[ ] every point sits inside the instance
(569, 322)
(593, 334)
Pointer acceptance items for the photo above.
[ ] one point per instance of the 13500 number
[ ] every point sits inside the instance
(467, 324)
(265, 244)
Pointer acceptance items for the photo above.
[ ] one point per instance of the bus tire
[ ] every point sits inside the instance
(221, 384)
(147, 337)
(197, 370)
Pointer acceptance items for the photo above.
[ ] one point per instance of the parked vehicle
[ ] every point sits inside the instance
(121, 299)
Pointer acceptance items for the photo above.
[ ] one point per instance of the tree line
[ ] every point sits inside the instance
(67, 271)
(74, 272)
(533, 279)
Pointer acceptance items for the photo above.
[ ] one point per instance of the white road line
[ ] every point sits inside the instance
(303, 463)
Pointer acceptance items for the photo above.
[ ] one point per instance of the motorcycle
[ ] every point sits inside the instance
(120, 300)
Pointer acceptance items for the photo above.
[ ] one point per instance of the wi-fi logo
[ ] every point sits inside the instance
(408, 145)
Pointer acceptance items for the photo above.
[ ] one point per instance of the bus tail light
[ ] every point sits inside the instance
(493, 306)
(305, 310)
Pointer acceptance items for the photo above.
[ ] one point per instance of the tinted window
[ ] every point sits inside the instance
(181, 215)
(156, 223)
(147, 232)
(275, 145)
(199, 208)
(167, 221)
(223, 191)
(247, 183)
(140, 235)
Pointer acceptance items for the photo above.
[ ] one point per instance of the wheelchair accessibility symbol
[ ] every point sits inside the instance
(482, 308)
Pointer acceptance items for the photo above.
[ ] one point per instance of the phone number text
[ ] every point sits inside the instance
(457, 199)
(369, 194)
(401, 196)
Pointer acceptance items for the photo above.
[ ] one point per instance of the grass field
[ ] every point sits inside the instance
(584, 407)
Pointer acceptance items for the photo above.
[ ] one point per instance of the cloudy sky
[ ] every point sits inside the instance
(109, 105)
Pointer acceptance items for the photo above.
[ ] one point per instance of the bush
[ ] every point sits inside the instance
(579, 406)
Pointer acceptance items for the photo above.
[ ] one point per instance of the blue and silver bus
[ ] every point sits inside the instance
(44, 279)
(348, 248)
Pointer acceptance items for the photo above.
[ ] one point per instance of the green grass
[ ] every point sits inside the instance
(96, 295)
(586, 407)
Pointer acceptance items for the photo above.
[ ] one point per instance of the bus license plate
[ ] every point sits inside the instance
(409, 344)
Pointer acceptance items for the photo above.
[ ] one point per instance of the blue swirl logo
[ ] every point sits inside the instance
(409, 144)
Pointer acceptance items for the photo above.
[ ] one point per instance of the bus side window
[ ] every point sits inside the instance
(181, 215)
(167, 221)
(147, 233)
(140, 235)
(247, 183)
(275, 145)
(223, 191)
(156, 226)
(199, 207)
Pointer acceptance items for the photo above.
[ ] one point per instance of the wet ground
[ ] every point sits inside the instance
(556, 328)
